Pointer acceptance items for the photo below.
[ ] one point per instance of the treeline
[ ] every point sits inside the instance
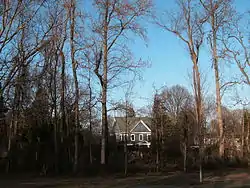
(220, 28)
(60, 60)
(177, 137)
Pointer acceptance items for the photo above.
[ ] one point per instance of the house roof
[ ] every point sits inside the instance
(119, 123)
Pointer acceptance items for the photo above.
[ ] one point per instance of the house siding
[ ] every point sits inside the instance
(137, 128)
(137, 135)
(140, 128)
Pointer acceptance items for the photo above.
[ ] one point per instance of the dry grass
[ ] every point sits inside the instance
(229, 178)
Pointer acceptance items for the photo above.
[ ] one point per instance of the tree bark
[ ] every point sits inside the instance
(185, 135)
(217, 83)
(90, 118)
(247, 138)
(9, 146)
(162, 141)
(242, 134)
(74, 69)
(126, 142)
(62, 104)
(55, 114)
(110, 32)
(192, 35)
(197, 88)
(104, 88)
(157, 149)
(90, 139)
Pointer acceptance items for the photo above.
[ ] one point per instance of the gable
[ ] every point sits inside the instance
(140, 127)
(119, 125)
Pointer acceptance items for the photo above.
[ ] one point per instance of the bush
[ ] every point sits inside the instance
(214, 163)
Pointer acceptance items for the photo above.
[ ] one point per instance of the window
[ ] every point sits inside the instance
(140, 137)
(122, 137)
(149, 137)
(132, 137)
(125, 137)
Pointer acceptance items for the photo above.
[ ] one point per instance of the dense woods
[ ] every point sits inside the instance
(60, 61)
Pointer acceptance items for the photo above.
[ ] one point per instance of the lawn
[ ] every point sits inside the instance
(227, 178)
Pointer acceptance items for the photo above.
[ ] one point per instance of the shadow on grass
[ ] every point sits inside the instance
(222, 178)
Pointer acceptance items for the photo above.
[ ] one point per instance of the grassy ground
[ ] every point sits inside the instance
(228, 178)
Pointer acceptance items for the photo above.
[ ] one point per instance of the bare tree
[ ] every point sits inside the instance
(176, 99)
(116, 20)
(18, 17)
(219, 14)
(19, 48)
(237, 48)
(156, 115)
(91, 105)
(125, 107)
(128, 110)
(187, 25)
(72, 19)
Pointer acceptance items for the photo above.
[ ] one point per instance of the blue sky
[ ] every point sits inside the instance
(170, 60)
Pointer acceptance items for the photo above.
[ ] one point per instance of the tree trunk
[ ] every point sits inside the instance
(9, 146)
(185, 158)
(90, 142)
(76, 119)
(197, 89)
(55, 115)
(63, 119)
(162, 142)
(242, 135)
(90, 139)
(74, 67)
(125, 156)
(217, 83)
(14, 120)
(104, 89)
(247, 137)
(157, 147)
(185, 135)
(104, 126)
(126, 142)
(90, 118)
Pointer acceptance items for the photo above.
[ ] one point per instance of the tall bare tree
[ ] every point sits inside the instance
(156, 114)
(72, 19)
(19, 48)
(116, 20)
(128, 109)
(219, 14)
(188, 26)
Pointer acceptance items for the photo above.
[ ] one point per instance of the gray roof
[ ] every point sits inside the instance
(119, 123)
